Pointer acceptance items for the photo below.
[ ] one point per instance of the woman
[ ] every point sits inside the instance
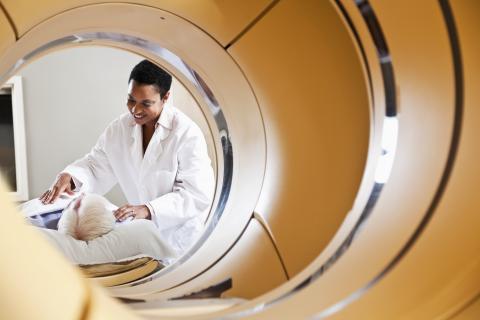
(156, 154)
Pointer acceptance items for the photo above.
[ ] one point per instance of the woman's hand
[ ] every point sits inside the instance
(137, 212)
(64, 183)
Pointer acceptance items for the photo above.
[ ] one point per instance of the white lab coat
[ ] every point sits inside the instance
(174, 176)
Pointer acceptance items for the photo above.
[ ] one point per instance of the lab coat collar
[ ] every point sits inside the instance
(163, 129)
(166, 117)
(164, 124)
(136, 146)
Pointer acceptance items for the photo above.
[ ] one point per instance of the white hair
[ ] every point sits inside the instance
(88, 218)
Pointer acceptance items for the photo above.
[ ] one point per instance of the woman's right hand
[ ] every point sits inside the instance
(63, 183)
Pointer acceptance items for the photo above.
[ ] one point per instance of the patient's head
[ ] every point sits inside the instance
(87, 217)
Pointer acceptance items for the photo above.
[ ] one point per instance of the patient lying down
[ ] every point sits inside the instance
(87, 217)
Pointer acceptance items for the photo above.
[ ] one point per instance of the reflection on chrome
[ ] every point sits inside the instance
(389, 146)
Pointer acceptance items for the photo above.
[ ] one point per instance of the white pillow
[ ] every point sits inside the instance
(126, 240)
(137, 237)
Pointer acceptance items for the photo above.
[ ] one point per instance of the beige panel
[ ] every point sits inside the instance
(252, 263)
(223, 20)
(442, 273)
(35, 282)
(373, 76)
(424, 77)
(471, 312)
(310, 86)
(101, 307)
(7, 35)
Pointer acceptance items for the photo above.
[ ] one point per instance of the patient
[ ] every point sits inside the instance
(87, 217)
(90, 217)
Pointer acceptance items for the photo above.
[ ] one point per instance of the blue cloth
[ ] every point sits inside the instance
(47, 220)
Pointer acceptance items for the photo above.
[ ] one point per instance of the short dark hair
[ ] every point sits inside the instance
(147, 72)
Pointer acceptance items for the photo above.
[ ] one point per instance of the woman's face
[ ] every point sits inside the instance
(144, 103)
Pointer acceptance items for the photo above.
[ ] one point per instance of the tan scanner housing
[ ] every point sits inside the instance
(300, 97)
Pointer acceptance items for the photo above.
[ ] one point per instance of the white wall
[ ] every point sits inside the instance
(70, 96)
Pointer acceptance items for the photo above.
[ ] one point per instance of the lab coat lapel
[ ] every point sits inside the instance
(155, 147)
(136, 148)
(165, 124)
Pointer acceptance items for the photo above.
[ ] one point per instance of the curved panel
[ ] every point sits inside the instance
(101, 307)
(470, 312)
(7, 34)
(223, 20)
(441, 273)
(252, 265)
(310, 84)
(26, 277)
(425, 81)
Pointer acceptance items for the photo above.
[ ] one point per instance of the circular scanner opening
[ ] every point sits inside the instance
(73, 89)
(69, 90)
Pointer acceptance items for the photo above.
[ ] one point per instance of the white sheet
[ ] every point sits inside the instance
(128, 239)
(35, 206)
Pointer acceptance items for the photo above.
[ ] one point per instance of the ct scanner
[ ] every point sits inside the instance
(346, 142)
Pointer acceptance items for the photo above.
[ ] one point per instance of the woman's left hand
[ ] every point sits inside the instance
(137, 212)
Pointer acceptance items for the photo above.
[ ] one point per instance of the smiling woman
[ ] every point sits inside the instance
(70, 97)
